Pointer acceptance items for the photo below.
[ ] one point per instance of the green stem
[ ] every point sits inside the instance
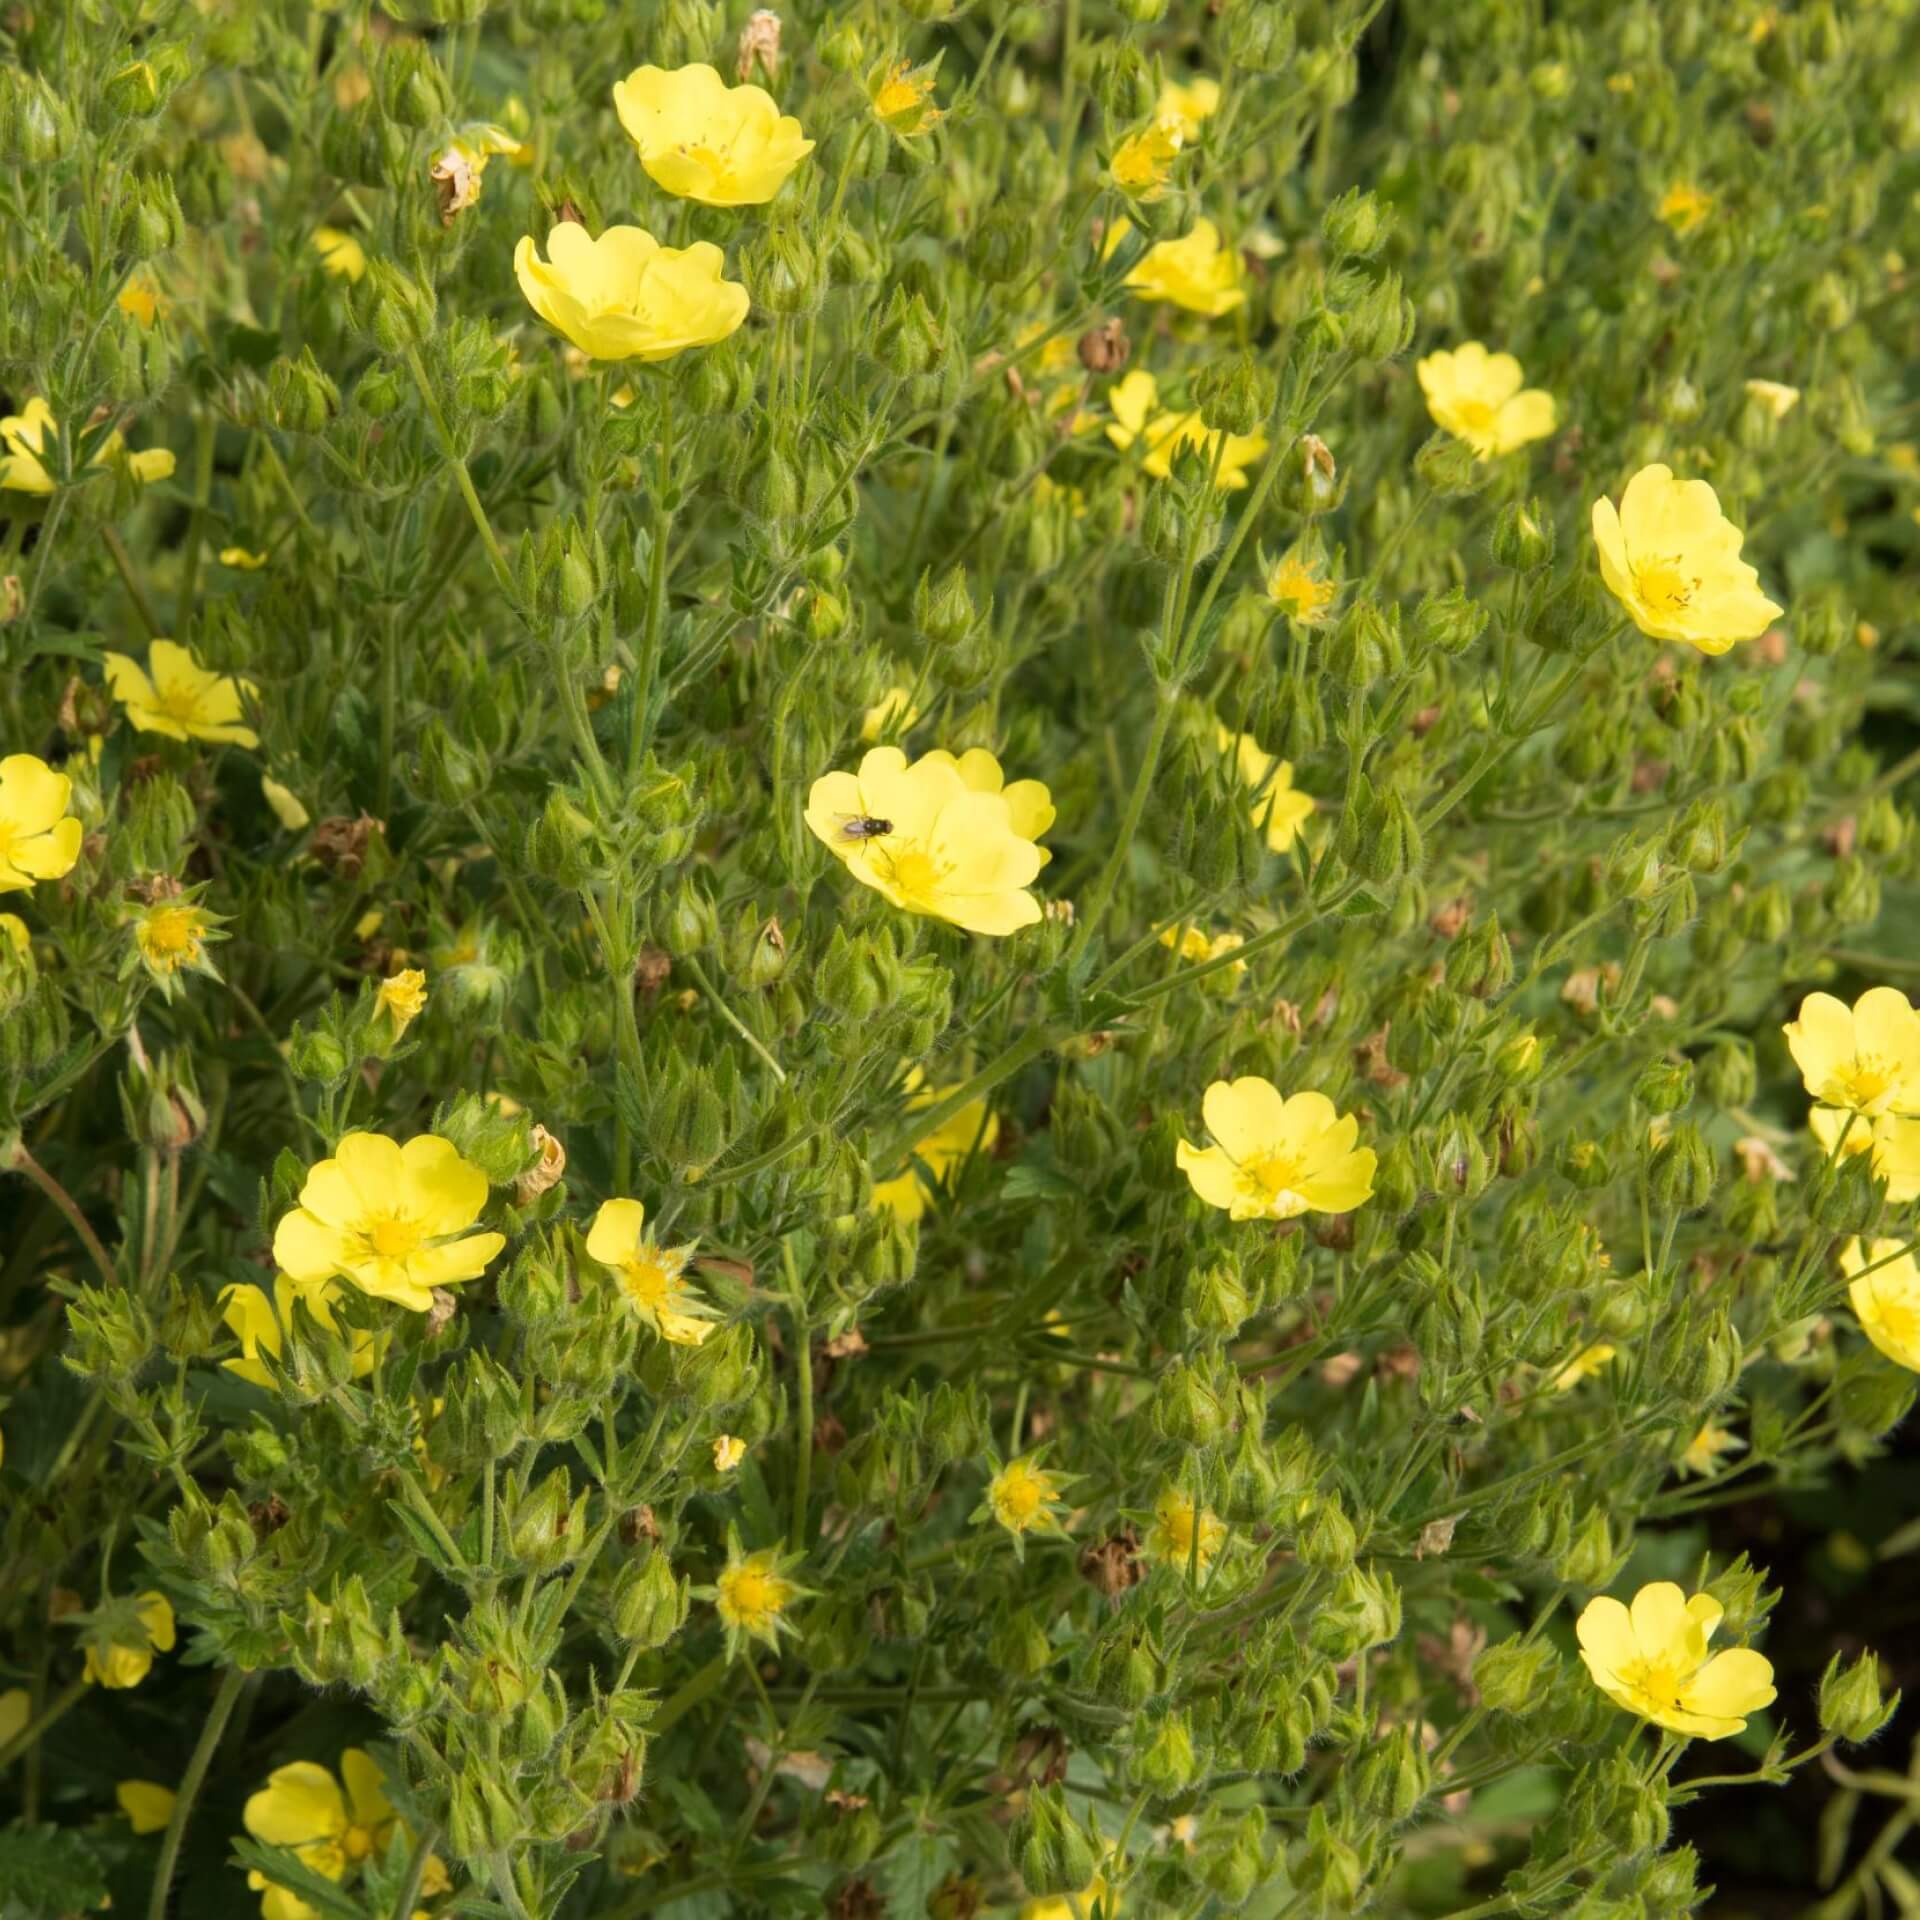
(803, 1403)
(462, 478)
(500, 1867)
(22, 1161)
(216, 1724)
(197, 520)
(690, 1695)
(649, 664)
(733, 1020)
(389, 703)
(403, 1908)
(57, 1708)
(926, 1120)
(1102, 894)
(130, 579)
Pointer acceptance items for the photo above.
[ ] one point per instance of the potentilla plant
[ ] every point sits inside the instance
(941, 946)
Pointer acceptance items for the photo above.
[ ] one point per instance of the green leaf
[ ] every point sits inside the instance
(1359, 905)
(47, 1870)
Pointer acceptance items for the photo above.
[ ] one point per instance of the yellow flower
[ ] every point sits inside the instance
(1885, 1293)
(340, 253)
(972, 1130)
(728, 1451)
(176, 696)
(1073, 1906)
(123, 1656)
(171, 937)
(285, 804)
(1297, 587)
(260, 1324)
(1186, 103)
(1022, 1497)
(1892, 1139)
(625, 296)
(1476, 396)
(1706, 1447)
(402, 997)
(942, 837)
(1583, 1366)
(894, 713)
(1134, 403)
(1672, 560)
(331, 1832)
(393, 1220)
(1866, 1059)
(1275, 1157)
(39, 839)
(1276, 805)
(1142, 161)
(242, 560)
(147, 1804)
(1652, 1659)
(903, 101)
(1196, 945)
(1684, 207)
(752, 1594)
(704, 140)
(1777, 399)
(652, 1277)
(141, 299)
(26, 438)
(1183, 1534)
(1194, 272)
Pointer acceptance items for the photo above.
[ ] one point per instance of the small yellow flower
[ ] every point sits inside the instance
(1195, 945)
(121, 1655)
(260, 1323)
(652, 1277)
(894, 713)
(1865, 1059)
(1476, 396)
(1135, 405)
(176, 696)
(704, 140)
(752, 1595)
(1183, 1534)
(972, 1130)
(331, 1832)
(1683, 207)
(1301, 592)
(728, 1451)
(1277, 806)
(1885, 1293)
(396, 1221)
(1185, 104)
(242, 559)
(39, 839)
(341, 255)
(1276, 1157)
(1143, 161)
(1652, 1660)
(1705, 1448)
(171, 937)
(1194, 272)
(1023, 1497)
(1073, 1906)
(903, 100)
(1773, 397)
(1672, 560)
(626, 297)
(141, 299)
(147, 1804)
(27, 437)
(943, 837)
(1583, 1366)
(1892, 1139)
(402, 997)
(286, 806)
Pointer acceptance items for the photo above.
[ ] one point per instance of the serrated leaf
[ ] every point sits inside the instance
(286, 1869)
(1357, 906)
(46, 1870)
(1036, 1180)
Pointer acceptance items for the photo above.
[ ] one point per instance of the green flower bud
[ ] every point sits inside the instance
(1054, 1854)
(1234, 395)
(1000, 248)
(391, 308)
(1327, 1537)
(1326, 1868)
(1449, 467)
(150, 218)
(1166, 1763)
(1381, 323)
(1591, 1558)
(36, 125)
(302, 397)
(133, 91)
(1665, 1086)
(909, 339)
(1259, 36)
(649, 1604)
(1392, 1776)
(1852, 1706)
(1515, 1676)
(1356, 223)
(1364, 646)
(1523, 536)
(412, 86)
(1448, 623)
(1392, 848)
(1187, 1408)
(1681, 1173)
(545, 1525)
(943, 611)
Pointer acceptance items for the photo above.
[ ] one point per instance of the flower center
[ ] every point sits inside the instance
(1864, 1082)
(1899, 1319)
(1663, 587)
(1020, 1498)
(1657, 1682)
(357, 1842)
(391, 1236)
(169, 934)
(912, 871)
(651, 1277)
(753, 1596)
(1272, 1180)
(1475, 417)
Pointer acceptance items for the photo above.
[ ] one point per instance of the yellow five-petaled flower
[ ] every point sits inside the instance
(176, 696)
(626, 297)
(39, 839)
(1865, 1059)
(1652, 1659)
(1275, 1157)
(1884, 1289)
(1477, 397)
(1137, 415)
(704, 140)
(652, 1277)
(1672, 560)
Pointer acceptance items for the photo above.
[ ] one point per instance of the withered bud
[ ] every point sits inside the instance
(1105, 348)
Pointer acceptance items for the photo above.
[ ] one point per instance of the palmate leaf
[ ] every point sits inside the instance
(47, 1870)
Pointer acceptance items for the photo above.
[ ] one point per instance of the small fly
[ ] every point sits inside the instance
(864, 826)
